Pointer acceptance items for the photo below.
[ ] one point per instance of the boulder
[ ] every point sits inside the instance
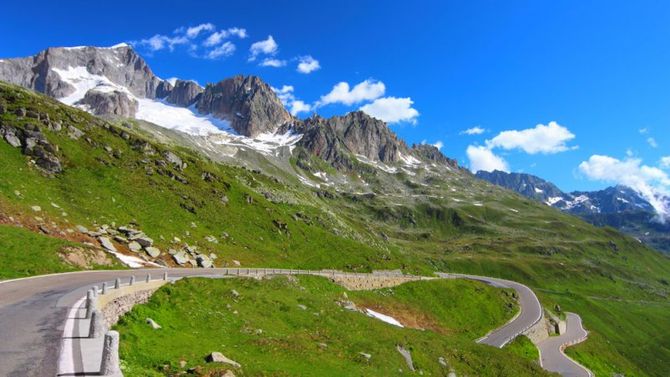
(218, 357)
(153, 252)
(74, 132)
(175, 160)
(12, 140)
(181, 258)
(107, 244)
(204, 261)
(134, 246)
(153, 324)
(143, 240)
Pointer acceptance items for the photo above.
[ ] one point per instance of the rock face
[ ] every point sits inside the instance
(429, 153)
(120, 64)
(248, 103)
(110, 103)
(357, 133)
(184, 93)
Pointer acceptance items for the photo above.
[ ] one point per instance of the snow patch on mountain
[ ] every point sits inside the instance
(187, 120)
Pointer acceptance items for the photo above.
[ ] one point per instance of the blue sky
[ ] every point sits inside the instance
(600, 70)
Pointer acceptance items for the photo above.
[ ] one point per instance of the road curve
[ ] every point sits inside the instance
(552, 357)
(32, 313)
(531, 310)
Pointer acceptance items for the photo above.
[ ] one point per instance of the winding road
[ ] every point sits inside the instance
(33, 312)
(552, 357)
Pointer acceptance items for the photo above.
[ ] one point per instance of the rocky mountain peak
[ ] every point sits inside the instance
(184, 93)
(337, 138)
(429, 153)
(247, 102)
(47, 71)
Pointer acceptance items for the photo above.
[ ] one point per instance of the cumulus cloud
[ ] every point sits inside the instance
(650, 182)
(665, 162)
(194, 31)
(476, 130)
(272, 62)
(652, 142)
(392, 110)
(159, 42)
(482, 158)
(193, 36)
(219, 36)
(307, 64)
(224, 50)
(286, 96)
(438, 144)
(364, 91)
(264, 47)
(548, 139)
(298, 106)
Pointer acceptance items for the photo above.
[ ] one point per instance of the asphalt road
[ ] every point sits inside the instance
(552, 357)
(33, 311)
(531, 310)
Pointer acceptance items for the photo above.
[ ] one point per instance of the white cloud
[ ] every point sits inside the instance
(217, 37)
(193, 31)
(271, 62)
(644, 131)
(438, 144)
(286, 96)
(652, 142)
(551, 138)
(482, 158)
(224, 50)
(392, 110)
(665, 162)
(476, 130)
(308, 64)
(267, 47)
(299, 106)
(650, 182)
(159, 42)
(364, 91)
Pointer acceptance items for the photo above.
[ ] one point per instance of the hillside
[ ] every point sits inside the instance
(619, 207)
(348, 195)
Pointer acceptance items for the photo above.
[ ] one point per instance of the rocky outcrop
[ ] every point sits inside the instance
(184, 93)
(120, 64)
(33, 143)
(356, 133)
(109, 103)
(429, 153)
(248, 103)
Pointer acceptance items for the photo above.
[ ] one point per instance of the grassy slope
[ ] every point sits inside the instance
(595, 272)
(196, 320)
(21, 248)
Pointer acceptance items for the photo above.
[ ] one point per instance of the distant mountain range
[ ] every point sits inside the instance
(620, 206)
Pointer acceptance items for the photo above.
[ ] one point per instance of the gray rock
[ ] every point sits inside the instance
(134, 246)
(336, 138)
(175, 160)
(121, 65)
(74, 132)
(110, 103)
(153, 324)
(204, 261)
(143, 240)
(251, 106)
(152, 251)
(407, 356)
(12, 140)
(81, 229)
(184, 93)
(218, 357)
(181, 258)
(366, 356)
(107, 243)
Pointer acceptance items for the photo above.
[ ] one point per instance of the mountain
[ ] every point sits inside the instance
(181, 185)
(620, 206)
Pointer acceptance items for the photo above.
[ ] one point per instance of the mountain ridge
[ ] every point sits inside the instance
(618, 206)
